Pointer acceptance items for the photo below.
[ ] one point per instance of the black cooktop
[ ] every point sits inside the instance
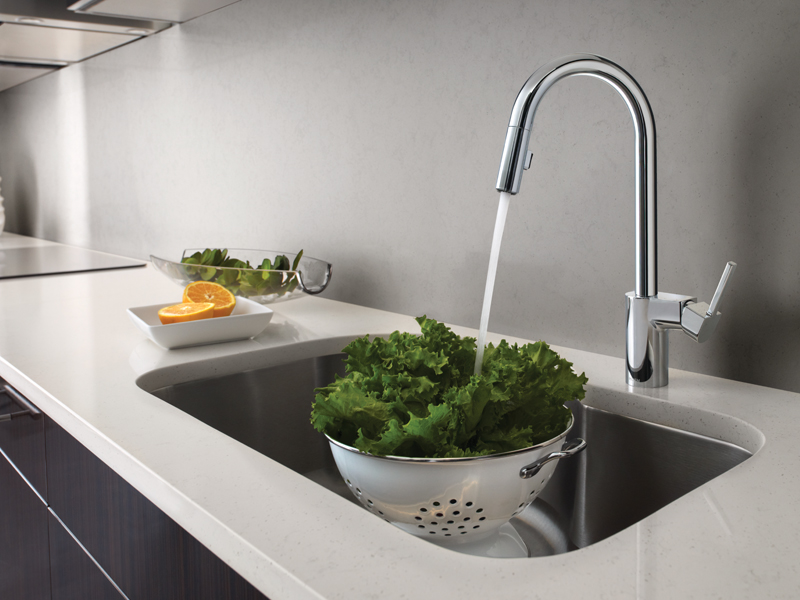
(51, 260)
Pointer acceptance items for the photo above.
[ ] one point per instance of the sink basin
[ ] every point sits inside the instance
(631, 468)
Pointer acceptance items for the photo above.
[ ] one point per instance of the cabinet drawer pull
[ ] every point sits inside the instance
(22, 401)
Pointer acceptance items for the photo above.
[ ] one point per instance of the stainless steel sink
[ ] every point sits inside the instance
(631, 468)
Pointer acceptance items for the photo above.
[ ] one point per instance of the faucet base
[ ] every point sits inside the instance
(649, 320)
(647, 348)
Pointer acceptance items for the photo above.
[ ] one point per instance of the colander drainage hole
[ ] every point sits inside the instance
(432, 532)
(358, 491)
(469, 503)
(456, 513)
(482, 519)
(461, 527)
(434, 523)
(479, 510)
(453, 501)
(418, 518)
(370, 502)
(450, 522)
(463, 532)
(421, 526)
(446, 535)
(440, 515)
(436, 504)
(476, 526)
(466, 518)
(423, 510)
(445, 529)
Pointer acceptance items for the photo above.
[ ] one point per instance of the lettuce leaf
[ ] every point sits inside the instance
(412, 395)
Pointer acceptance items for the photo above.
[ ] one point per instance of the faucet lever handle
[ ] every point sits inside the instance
(723, 282)
(698, 319)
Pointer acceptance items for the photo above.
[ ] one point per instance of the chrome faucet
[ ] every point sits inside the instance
(650, 315)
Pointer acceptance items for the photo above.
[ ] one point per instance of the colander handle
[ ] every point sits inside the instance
(569, 449)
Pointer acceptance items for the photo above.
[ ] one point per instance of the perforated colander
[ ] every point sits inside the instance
(451, 501)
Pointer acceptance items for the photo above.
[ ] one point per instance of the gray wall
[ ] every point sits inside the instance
(369, 134)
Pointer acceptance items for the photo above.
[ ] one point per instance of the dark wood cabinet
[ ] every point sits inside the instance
(22, 440)
(131, 539)
(88, 533)
(24, 558)
(73, 573)
(144, 551)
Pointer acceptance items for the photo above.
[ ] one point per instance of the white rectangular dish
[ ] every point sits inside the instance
(247, 320)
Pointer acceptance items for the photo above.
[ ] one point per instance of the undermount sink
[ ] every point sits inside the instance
(630, 469)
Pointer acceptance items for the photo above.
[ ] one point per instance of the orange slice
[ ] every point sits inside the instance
(206, 291)
(186, 311)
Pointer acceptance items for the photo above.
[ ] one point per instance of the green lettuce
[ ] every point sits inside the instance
(417, 396)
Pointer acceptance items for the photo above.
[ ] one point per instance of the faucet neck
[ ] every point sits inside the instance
(515, 152)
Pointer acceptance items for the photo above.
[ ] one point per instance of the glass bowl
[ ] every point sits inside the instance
(306, 275)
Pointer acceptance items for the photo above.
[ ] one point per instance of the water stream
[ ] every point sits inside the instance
(499, 225)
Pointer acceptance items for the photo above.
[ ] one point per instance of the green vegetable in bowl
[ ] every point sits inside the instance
(240, 277)
(416, 396)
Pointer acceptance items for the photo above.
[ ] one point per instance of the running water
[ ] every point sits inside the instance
(499, 225)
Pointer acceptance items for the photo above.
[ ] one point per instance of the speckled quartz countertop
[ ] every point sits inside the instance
(67, 343)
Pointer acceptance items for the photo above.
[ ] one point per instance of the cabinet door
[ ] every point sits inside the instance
(131, 540)
(22, 439)
(24, 559)
(145, 552)
(73, 573)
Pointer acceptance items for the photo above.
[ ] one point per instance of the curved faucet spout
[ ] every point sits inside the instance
(516, 155)
(650, 315)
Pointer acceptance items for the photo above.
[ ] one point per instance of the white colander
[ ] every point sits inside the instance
(451, 501)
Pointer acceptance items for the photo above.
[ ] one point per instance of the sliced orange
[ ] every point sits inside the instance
(206, 291)
(186, 311)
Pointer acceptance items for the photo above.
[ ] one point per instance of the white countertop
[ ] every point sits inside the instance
(67, 343)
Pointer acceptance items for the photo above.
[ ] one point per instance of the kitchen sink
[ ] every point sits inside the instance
(630, 469)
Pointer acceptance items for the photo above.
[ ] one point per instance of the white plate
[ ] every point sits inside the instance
(247, 320)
